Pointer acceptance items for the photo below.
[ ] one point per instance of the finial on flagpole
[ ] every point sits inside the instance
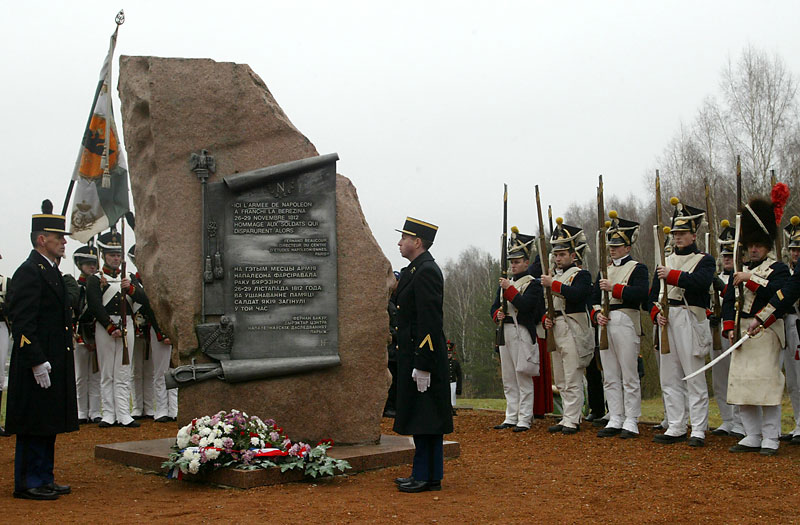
(120, 18)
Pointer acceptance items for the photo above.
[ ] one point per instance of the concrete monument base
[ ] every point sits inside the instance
(149, 455)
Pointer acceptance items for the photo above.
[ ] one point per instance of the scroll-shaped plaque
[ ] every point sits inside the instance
(278, 297)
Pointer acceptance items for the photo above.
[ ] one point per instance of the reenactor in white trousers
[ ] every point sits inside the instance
(791, 321)
(142, 363)
(731, 420)
(524, 308)
(688, 275)
(573, 334)
(627, 286)
(151, 361)
(87, 372)
(755, 381)
(105, 292)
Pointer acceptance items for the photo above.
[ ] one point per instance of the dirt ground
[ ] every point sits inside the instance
(501, 477)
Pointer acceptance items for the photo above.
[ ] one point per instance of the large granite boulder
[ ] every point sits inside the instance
(172, 108)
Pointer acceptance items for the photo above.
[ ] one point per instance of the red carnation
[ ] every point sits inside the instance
(780, 196)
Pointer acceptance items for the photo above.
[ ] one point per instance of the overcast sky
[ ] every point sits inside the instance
(431, 106)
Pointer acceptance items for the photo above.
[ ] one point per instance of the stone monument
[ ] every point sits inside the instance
(247, 238)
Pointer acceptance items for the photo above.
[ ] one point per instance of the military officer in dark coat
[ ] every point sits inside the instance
(41, 393)
(423, 385)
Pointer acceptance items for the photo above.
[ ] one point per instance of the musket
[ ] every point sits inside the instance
(737, 253)
(550, 218)
(499, 334)
(602, 256)
(663, 296)
(779, 238)
(544, 258)
(123, 303)
(711, 248)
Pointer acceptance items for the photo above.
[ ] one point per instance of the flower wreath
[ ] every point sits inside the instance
(234, 439)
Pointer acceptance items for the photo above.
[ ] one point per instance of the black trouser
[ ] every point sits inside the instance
(33, 461)
(428, 457)
(594, 380)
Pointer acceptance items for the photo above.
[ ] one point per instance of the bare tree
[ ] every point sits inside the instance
(470, 285)
(760, 113)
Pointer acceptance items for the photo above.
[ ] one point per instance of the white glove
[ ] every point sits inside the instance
(42, 374)
(422, 378)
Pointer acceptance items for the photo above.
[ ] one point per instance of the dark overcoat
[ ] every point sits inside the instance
(421, 344)
(41, 325)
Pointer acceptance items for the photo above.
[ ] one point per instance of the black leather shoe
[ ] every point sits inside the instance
(768, 451)
(720, 432)
(132, 424)
(105, 424)
(664, 439)
(502, 426)
(627, 434)
(97, 420)
(737, 435)
(40, 493)
(743, 448)
(82, 421)
(389, 413)
(786, 438)
(520, 429)
(58, 489)
(163, 419)
(795, 440)
(570, 430)
(555, 428)
(403, 481)
(600, 422)
(608, 432)
(420, 486)
(3, 432)
(697, 442)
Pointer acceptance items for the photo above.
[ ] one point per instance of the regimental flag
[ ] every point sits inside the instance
(101, 173)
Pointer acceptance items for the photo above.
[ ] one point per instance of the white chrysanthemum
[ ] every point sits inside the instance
(254, 441)
(218, 442)
(212, 454)
(203, 442)
(188, 453)
(194, 466)
(205, 431)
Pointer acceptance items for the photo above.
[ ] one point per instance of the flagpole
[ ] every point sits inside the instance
(119, 19)
(123, 303)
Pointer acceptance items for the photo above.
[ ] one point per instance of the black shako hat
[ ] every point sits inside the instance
(726, 238)
(84, 254)
(566, 237)
(424, 230)
(110, 242)
(792, 231)
(621, 232)
(47, 222)
(686, 218)
(520, 246)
